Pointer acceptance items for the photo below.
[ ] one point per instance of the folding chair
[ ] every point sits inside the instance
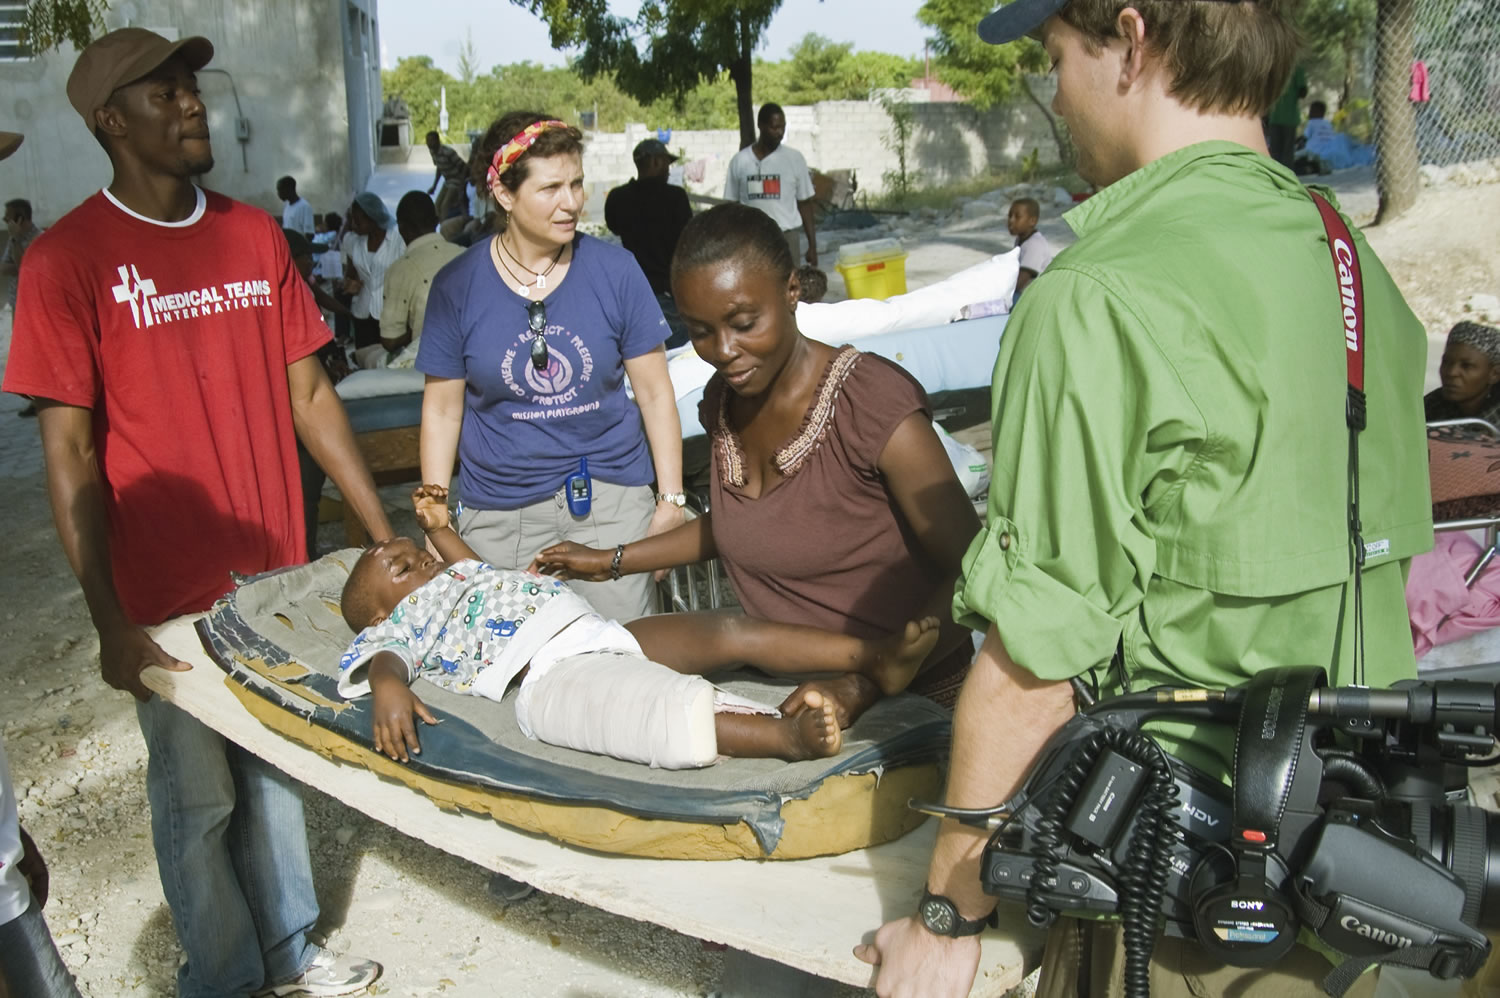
(1463, 457)
(703, 586)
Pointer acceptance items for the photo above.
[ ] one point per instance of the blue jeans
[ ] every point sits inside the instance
(231, 849)
(29, 964)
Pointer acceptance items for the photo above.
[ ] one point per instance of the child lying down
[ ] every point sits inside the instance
(632, 691)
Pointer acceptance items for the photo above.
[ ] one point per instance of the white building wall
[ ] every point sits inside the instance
(283, 63)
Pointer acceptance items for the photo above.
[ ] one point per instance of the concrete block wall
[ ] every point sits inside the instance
(949, 143)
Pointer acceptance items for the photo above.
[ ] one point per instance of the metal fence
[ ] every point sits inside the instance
(1433, 76)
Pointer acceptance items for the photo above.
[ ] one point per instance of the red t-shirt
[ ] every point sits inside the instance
(178, 338)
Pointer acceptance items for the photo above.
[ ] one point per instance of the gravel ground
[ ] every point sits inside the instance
(79, 763)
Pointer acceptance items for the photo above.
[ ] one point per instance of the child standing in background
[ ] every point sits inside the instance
(1036, 252)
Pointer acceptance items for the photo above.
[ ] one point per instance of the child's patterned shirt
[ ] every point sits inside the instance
(469, 630)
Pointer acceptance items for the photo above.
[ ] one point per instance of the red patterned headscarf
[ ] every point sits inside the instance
(512, 150)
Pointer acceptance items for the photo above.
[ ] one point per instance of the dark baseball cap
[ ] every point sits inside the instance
(124, 56)
(1017, 20)
(9, 143)
(649, 148)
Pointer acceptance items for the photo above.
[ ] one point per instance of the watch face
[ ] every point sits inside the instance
(937, 916)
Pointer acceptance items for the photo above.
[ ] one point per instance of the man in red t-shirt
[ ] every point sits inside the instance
(169, 344)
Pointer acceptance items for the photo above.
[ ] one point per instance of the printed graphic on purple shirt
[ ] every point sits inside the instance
(556, 387)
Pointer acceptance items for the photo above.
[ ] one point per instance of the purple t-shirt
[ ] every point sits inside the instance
(524, 430)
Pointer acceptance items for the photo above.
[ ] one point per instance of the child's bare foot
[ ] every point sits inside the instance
(812, 732)
(897, 658)
(851, 695)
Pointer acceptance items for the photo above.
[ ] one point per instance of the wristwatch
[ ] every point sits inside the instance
(940, 916)
(678, 499)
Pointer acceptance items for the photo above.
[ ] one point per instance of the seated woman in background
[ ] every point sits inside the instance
(1470, 372)
(833, 503)
(371, 246)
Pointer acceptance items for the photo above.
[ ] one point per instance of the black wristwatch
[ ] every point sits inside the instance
(940, 916)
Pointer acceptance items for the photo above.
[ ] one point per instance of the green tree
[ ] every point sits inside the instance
(1396, 161)
(814, 70)
(898, 182)
(468, 58)
(668, 49)
(417, 81)
(987, 74)
(820, 69)
(862, 72)
(1339, 30)
(49, 23)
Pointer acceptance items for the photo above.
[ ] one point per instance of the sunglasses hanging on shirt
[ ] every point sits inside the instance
(536, 319)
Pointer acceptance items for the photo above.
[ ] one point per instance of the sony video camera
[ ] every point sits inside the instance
(1361, 838)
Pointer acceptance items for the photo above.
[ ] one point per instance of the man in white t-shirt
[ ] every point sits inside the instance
(29, 962)
(298, 214)
(1036, 252)
(774, 178)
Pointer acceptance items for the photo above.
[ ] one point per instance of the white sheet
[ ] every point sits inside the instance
(850, 321)
(380, 381)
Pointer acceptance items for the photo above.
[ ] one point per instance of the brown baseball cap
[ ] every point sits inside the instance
(9, 143)
(124, 56)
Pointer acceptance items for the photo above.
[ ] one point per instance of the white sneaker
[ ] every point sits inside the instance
(328, 975)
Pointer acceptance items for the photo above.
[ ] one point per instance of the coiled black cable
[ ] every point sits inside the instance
(1143, 880)
(1148, 862)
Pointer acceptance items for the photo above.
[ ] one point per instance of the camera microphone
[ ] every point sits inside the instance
(1463, 714)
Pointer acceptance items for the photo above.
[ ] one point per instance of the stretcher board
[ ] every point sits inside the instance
(807, 914)
(281, 635)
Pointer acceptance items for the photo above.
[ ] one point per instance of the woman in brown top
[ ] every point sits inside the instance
(833, 502)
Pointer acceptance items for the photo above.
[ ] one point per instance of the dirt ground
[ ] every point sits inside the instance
(79, 764)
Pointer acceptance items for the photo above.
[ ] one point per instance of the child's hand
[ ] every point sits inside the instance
(431, 505)
(573, 561)
(394, 730)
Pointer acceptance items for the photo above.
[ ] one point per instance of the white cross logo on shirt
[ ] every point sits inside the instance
(137, 294)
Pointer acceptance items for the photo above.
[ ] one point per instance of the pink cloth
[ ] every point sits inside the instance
(1421, 93)
(1441, 607)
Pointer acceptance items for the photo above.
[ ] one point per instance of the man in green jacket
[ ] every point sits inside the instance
(1170, 455)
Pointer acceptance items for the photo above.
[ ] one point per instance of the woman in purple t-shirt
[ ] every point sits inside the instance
(833, 502)
(526, 344)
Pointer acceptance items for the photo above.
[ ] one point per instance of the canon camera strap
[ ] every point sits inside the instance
(1352, 312)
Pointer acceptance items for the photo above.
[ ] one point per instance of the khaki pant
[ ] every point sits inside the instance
(1087, 960)
(619, 514)
(794, 243)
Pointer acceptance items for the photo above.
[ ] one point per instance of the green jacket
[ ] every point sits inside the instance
(1170, 448)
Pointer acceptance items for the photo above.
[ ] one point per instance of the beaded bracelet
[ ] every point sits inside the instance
(614, 563)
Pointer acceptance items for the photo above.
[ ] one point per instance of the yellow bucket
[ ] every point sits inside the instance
(873, 269)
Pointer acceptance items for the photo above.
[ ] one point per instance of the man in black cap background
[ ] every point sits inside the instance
(170, 344)
(1164, 509)
(649, 214)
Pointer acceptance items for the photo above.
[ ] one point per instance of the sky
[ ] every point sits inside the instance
(504, 33)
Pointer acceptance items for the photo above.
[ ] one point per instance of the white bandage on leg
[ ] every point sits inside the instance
(620, 704)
